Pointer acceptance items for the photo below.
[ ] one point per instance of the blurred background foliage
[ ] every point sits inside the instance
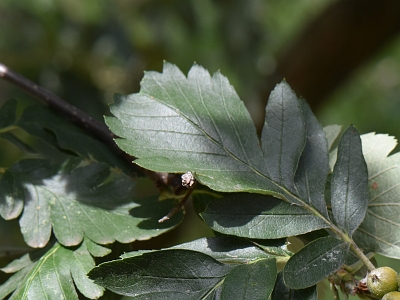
(85, 51)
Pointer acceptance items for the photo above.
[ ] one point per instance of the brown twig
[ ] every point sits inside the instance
(179, 206)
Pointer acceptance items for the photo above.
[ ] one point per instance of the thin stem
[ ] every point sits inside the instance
(178, 207)
(343, 236)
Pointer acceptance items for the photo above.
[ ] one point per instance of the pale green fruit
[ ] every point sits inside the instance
(392, 296)
(381, 281)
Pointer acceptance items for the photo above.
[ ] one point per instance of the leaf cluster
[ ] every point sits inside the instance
(334, 190)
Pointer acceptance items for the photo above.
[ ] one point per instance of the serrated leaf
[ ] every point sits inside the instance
(53, 276)
(283, 135)
(380, 230)
(95, 249)
(282, 292)
(231, 249)
(178, 124)
(349, 183)
(313, 167)
(91, 201)
(250, 281)
(259, 217)
(314, 262)
(167, 274)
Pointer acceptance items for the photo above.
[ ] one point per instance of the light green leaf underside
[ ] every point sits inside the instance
(380, 230)
(54, 275)
(90, 200)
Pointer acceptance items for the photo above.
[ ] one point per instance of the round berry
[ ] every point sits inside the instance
(381, 281)
(392, 296)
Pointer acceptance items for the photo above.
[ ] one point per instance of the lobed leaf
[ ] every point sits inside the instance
(259, 216)
(176, 124)
(314, 262)
(349, 183)
(54, 275)
(78, 201)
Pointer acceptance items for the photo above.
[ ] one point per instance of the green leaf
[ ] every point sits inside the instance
(349, 183)
(199, 124)
(8, 136)
(8, 113)
(283, 135)
(380, 230)
(231, 249)
(167, 274)
(313, 168)
(250, 281)
(314, 262)
(39, 121)
(282, 292)
(54, 275)
(11, 197)
(88, 200)
(259, 217)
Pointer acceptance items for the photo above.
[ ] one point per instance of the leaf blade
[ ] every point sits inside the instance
(250, 281)
(314, 262)
(313, 167)
(161, 274)
(349, 184)
(379, 232)
(262, 217)
(283, 134)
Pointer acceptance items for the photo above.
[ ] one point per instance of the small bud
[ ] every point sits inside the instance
(188, 180)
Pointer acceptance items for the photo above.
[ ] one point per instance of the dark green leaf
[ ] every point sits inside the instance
(17, 142)
(53, 276)
(178, 124)
(95, 249)
(230, 249)
(282, 292)
(167, 274)
(39, 121)
(93, 201)
(259, 217)
(250, 281)
(380, 230)
(283, 135)
(313, 168)
(8, 113)
(349, 183)
(314, 262)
